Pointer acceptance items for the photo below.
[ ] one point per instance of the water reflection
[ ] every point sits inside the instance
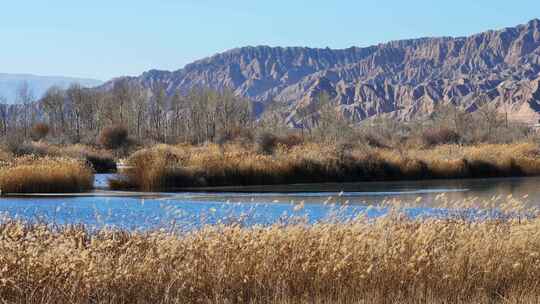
(374, 192)
(264, 205)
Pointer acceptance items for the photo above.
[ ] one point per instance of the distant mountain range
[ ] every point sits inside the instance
(9, 84)
(400, 79)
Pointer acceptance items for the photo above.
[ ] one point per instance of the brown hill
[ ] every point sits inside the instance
(400, 79)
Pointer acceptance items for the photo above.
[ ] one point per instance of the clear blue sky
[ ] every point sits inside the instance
(103, 39)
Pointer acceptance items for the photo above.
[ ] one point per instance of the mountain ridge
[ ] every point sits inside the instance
(400, 78)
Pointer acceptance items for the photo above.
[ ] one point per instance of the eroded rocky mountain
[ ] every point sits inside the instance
(400, 79)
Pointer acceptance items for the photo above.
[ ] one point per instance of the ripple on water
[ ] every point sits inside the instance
(148, 211)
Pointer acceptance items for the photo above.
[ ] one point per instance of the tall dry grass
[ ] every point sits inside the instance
(389, 260)
(5, 156)
(45, 175)
(102, 161)
(172, 167)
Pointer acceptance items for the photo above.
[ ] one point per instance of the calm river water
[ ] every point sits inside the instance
(258, 205)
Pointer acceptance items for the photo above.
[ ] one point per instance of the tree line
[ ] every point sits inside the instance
(79, 114)
(154, 115)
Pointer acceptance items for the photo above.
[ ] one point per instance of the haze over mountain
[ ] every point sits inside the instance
(10, 83)
(400, 79)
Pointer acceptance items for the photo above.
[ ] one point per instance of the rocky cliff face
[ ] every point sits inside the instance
(401, 79)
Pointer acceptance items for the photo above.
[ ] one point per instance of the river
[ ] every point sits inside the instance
(258, 205)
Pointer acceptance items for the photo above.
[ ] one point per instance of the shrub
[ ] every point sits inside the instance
(440, 136)
(267, 143)
(374, 141)
(290, 140)
(101, 162)
(39, 131)
(30, 148)
(236, 135)
(113, 137)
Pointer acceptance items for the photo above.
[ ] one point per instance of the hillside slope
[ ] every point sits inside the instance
(400, 79)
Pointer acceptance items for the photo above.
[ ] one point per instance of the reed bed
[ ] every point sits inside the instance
(172, 167)
(102, 161)
(393, 259)
(5, 156)
(45, 175)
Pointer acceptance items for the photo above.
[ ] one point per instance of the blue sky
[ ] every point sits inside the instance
(103, 39)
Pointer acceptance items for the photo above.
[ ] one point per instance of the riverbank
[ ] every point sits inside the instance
(175, 168)
(246, 167)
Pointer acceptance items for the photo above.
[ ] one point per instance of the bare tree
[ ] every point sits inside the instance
(80, 107)
(25, 97)
(53, 105)
(80, 113)
(157, 112)
(331, 124)
(273, 119)
(3, 115)
(121, 95)
(452, 117)
(232, 113)
(140, 99)
(490, 119)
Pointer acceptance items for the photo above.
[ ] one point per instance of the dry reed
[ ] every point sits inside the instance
(172, 167)
(389, 260)
(102, 161)
(45, 175)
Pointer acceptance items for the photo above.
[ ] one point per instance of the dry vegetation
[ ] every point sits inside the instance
(226, 140)
(389, 260)
(102, 161)
(171, 167)
(45, 175)
(113, 137)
